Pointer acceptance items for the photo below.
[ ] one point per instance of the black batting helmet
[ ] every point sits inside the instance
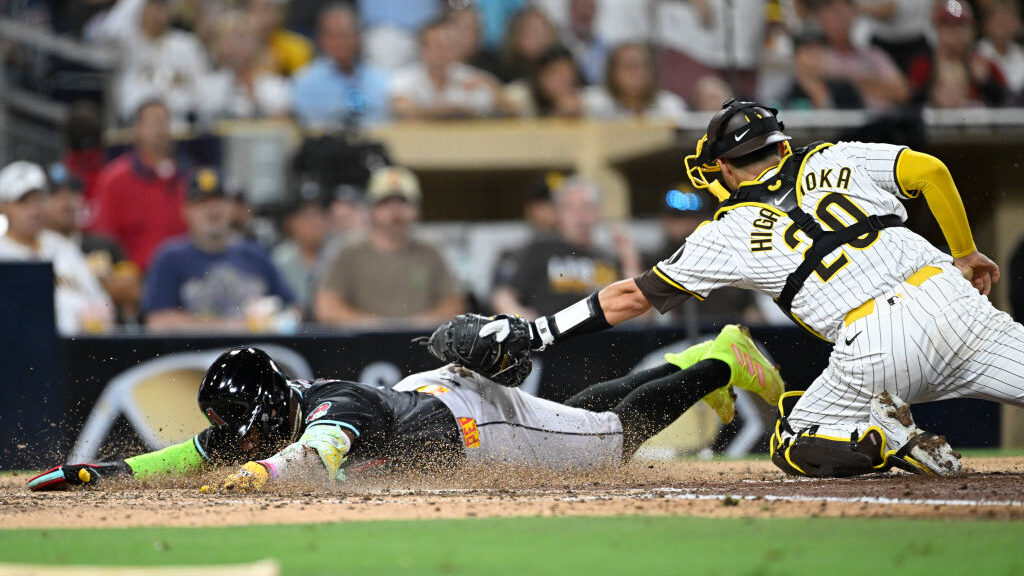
(244, 388)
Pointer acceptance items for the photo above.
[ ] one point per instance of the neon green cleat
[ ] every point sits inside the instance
(722, 400)
(750, 369)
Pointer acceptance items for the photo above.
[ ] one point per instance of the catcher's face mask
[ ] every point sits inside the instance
(739, 128)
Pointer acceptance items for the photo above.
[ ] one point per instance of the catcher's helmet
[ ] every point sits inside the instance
(739, 128)
(243, 388)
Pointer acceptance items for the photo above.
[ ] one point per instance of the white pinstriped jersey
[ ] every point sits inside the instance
(756, 246)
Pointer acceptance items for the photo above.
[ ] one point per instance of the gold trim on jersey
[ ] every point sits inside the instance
(800, 171)
(911, 194)
(675, 284)
(808, 328)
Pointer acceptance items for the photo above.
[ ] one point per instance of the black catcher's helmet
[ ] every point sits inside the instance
(739, 128)
(243, 388)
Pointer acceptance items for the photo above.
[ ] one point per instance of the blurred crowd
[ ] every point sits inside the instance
(148, 237)
(363, 62)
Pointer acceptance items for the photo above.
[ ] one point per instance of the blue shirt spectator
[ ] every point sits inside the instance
(211, 279)
(214, 285)
(406, 14)
(322, 93)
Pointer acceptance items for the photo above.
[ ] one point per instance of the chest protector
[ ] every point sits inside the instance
(781, 192)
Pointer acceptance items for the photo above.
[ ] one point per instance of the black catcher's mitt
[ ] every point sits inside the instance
(506, 362)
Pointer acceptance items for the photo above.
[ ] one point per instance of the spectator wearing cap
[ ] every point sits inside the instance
(681, 213)
(212, 279)
(439, 86)
(552, 272)
(305, 226)
(140, 194)
(962, 77)
(80, 303)
(338, 88)
(120, 277)
(390, 277)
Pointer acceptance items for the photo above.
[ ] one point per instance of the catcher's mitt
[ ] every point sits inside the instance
(506, 362)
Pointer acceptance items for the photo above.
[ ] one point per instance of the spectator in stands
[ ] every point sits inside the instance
(346, 221)
(530, 34)
(390, 277)
(540, 214)
(286, 51)
(156, 60)
(495, 16)
(813, 84)
(999, 44)
(439, 86)
(80, 304)
(469, 41)
(682, 212)
(391, 27)
(119, 276)
(701, 37)
(962, 76)
(241, 88)
(901, 28)
(305, 226)
(553, 89)
(211, 279)
(631, 88)
(880, 83)
(85, 155)
(552, 272)
(339, 89)
(140, 194)
(580, 36)
(709, 92)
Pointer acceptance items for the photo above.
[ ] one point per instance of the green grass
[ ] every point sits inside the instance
(564, 546)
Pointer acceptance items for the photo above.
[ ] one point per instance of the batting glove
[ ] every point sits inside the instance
(60, 477)
(252, 477)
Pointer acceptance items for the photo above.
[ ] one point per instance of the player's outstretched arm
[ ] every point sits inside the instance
(611, 306)
(178, 460)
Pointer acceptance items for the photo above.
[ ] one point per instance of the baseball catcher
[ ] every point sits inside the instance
(820, 229)
(468, 411)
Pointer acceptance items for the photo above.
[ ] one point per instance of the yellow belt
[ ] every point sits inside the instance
(916, 279)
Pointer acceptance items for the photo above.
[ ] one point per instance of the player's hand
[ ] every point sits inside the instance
(251, 477)
(981, 271)
(60, 477)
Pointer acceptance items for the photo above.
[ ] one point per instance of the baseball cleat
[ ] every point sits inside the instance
(751, 370)
(722, 400)
(909, 447)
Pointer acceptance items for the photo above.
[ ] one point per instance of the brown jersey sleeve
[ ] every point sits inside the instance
(659, 291)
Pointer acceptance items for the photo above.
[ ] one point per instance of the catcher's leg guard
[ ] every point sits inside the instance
(807, 453)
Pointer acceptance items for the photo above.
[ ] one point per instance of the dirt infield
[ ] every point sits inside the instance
(991, 488)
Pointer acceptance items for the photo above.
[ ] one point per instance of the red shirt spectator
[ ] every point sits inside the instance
(140, 195)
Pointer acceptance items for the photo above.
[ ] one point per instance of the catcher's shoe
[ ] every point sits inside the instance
(907, 446)
(751, 370)
(722, 400)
